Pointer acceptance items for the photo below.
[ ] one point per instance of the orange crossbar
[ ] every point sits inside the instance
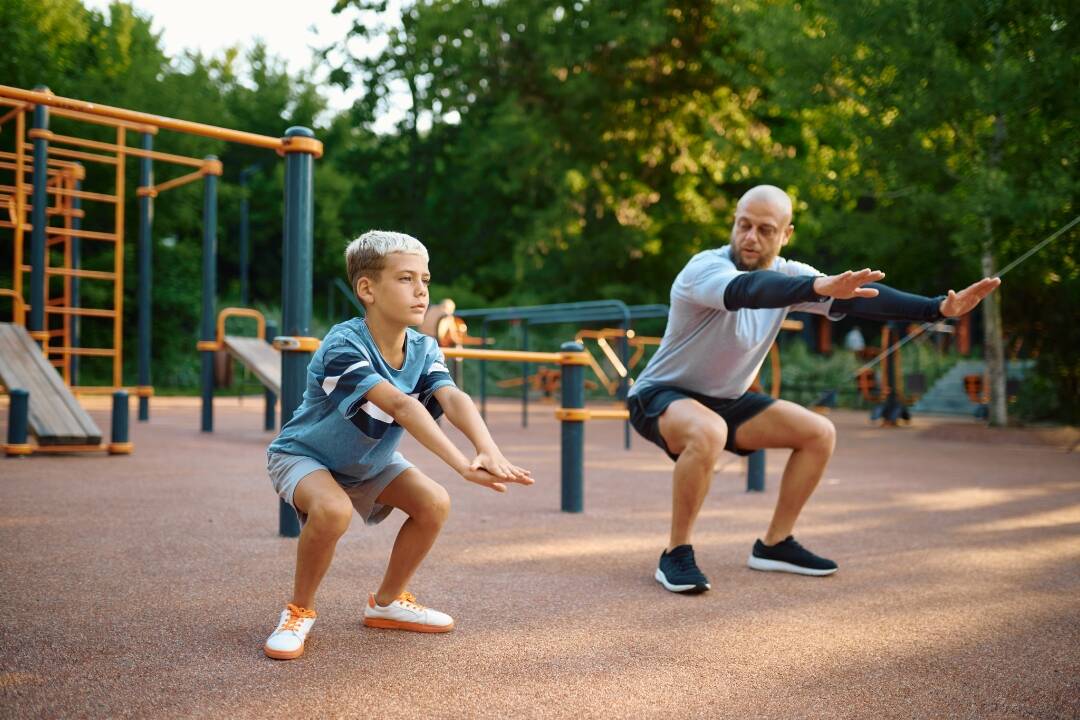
(170, 184)
(238, 136)
(84, 234)
(73, 272)
(508, 355)
(110, 147)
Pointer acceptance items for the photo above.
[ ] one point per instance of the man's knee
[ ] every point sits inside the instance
(706, 439)
(822, 436)
(330, 515)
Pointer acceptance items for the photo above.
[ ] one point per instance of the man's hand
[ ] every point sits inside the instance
(959, 303)
(848, 284)
(483, 477)
(494, 462)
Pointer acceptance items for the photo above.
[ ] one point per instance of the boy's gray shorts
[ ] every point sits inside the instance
(286, 472)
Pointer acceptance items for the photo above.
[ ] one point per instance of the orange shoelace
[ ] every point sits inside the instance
(297, 615)
(409, 599)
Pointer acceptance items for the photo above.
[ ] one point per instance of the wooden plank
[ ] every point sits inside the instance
(258, 356)
(48, 420)
(56, 418)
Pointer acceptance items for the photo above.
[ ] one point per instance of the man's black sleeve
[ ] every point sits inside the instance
(768, 289)
(890, 304)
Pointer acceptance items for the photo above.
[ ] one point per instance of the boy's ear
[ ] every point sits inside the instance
(363, 289)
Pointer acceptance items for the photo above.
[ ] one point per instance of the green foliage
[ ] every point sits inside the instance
(556, 152)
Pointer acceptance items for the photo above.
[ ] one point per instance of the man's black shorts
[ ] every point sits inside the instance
(647, 406)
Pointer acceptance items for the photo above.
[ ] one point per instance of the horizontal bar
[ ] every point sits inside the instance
(92, 157)
(72, 272)
(507, 355)
(109, 390)
(112, 147)
(86, 352)
(84, 234)
(81, 312)
(211, 131)
(109, 122)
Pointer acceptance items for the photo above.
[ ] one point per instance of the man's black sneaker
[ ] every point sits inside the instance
(679, 573)
(789, 556)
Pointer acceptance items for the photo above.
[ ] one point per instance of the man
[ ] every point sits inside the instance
(692, 399)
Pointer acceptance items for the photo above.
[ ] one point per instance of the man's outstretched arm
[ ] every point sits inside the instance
(892, 304)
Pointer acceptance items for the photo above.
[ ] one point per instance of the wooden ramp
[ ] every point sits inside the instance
(56, 418)
(258, 356)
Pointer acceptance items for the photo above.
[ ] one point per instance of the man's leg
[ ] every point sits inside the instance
(812, 438)
(329, 511)
(697, 435)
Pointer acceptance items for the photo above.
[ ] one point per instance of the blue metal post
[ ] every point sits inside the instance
(245, 231)
(146, 265)
(525, 375)
(209, 292)
(18, 416)
(269, 412)
(296, 290)
(40, 201)
(573, 434)
(76, 281)
(120, 417)
(483, 370)
(755, 472)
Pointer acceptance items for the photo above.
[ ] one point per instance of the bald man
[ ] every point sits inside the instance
(693, 398)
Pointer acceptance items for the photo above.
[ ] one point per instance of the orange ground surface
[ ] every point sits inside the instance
(144, 586)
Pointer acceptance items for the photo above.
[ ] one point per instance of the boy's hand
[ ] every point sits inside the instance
(483, 477)
(494, 462)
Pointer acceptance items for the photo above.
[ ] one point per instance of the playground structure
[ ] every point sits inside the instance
(36, 304)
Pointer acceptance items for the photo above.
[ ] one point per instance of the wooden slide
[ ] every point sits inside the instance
(258, 356)
(56, 418)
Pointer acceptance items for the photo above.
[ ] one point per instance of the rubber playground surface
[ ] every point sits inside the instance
(144, 586)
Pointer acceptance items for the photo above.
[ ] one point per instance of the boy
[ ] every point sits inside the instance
(372, 380)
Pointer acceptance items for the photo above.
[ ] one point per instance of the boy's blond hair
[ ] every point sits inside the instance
(366, 255)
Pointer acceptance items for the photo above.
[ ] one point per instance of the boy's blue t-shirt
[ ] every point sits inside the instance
(335, 424)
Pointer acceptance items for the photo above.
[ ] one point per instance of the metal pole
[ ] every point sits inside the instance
(483, 370)
(209, 291)
(269, 413)
(18, 422)
(146, 265)
(296, 287)
(36, 321)
(120, 444)
(524, 376)
(76, 282)
(755, 472)
(573, 434)
(245, 232)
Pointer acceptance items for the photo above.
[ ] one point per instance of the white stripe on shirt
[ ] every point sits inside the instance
(328, 384)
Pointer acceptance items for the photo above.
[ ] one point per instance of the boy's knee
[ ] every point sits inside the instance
(434, 508)
(331, 515)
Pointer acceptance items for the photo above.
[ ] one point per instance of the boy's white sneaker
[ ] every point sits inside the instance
(287, 640)
(406, 614)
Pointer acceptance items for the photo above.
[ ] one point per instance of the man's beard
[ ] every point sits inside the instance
(762, 261)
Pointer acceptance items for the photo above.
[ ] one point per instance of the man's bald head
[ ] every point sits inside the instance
(762, 226)
(768, 195)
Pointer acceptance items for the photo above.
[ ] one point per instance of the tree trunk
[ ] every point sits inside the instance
(993, 338)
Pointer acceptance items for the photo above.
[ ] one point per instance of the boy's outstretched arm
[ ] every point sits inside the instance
(461, 412)
(411, 414)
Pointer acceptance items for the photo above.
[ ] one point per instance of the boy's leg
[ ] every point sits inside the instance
(427, 504)
(329, 511)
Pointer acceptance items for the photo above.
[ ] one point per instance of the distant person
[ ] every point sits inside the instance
(372, 380)
(854, 340)
(692, 399)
